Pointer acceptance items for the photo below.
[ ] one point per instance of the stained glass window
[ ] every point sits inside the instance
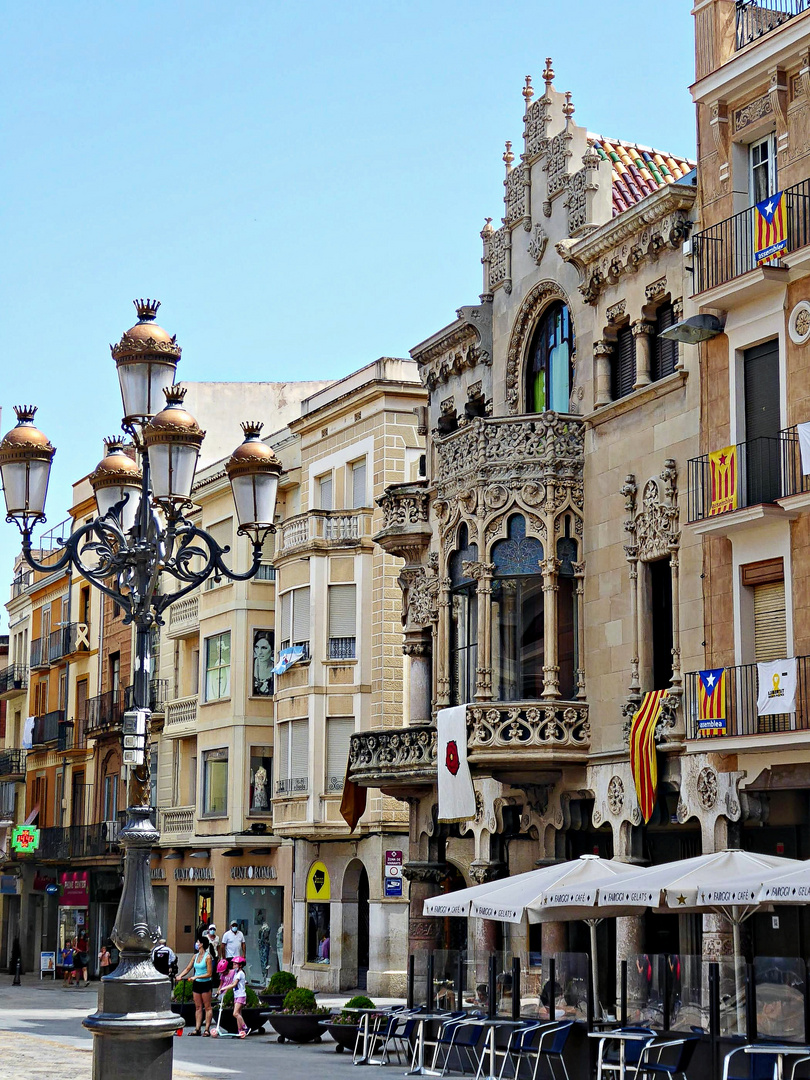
(548, 374)
(463, 621)
(518, 554)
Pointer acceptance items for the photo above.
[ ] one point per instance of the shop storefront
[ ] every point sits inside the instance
(257, 905)
(319, 895)
(74, 906)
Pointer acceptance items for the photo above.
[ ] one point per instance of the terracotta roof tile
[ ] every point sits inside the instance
(638, 170)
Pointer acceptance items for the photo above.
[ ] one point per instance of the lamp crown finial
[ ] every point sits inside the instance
(25, 413)
(147, 309)
(252, 428)
(114, 442)
(175, 395)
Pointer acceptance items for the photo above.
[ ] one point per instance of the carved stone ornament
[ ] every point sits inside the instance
(616, 312)
(514, 196)
(707, 788)
(615, 795)
(753, 112)
(537, 243)
(799, 323)
(481, 872)
(423, 599)
(426, 873)
(656, 289)
(498, 252)
(538, 298)
(654, 527)
(462, 346)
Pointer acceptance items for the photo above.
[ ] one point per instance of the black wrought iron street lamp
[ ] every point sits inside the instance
(140, 540)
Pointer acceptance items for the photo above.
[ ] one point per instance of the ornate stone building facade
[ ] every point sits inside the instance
(547, 582)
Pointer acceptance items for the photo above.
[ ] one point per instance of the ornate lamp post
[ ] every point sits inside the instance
(140, 538)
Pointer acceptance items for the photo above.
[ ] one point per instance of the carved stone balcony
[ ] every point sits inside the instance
(181, 717)
(513, 740)
(324, 530)
(406, 530)
(176, 821)
(184, 618)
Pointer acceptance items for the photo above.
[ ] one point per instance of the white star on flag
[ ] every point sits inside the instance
(710, 681)
(769, 208)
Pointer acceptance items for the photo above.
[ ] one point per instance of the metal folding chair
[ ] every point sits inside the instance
(550, 1047)
(668, 1057)
(461, 1034)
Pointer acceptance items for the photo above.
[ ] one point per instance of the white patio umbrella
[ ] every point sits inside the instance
(458, 902)
(523, 897)
(699, 884)
(778, 886)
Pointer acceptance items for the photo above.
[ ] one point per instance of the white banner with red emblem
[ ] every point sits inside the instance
(456, 792)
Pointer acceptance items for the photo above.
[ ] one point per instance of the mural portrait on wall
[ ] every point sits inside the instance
(262, 663)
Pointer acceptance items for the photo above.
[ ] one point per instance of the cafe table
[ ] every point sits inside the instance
(490, 1051)
(622, 1036)
(365, 1032)
(781, 1050)
(418, 1067)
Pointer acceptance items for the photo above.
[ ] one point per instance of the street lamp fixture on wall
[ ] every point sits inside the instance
(126, 553)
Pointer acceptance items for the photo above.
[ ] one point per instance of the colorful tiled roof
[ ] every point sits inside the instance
(638, 170)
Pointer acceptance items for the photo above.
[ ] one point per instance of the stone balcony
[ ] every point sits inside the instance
(511, 740)
(181, 717)
(324, 530)
(176, 822)
(406, 528)
(184, 617)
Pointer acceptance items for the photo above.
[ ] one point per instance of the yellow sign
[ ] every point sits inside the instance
(318, 883)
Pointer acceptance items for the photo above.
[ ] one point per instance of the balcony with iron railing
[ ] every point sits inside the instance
(158, 695)
(758, 472)
(12, 764)
(64, 641)
(756, 18)
(13, 680)
(740, 706)
(727, 250)
(103, 712)
(78, 841)
(47, 727)
(324, 529)
(509, 736)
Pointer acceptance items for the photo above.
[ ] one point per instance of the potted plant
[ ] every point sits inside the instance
(253, 1014)
(277, 989)
(300, 1019)
(343, 1026)
(183, 1001)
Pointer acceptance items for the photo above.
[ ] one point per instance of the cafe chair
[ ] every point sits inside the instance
(522, 1043)
(667, 1058)
(380, 1024)
(549, 1046)
(399, 1034)
(462, 1034)
(609, 1052)
(749, 1066)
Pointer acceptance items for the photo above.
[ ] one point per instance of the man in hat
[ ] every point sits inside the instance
(233, 942)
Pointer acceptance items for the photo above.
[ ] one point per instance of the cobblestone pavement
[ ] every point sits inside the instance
(41, 1036)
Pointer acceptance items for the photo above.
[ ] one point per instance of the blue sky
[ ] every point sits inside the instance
(302, 185)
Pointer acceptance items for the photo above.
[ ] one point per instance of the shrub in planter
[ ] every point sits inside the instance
(182, 994)
(300, 1018)
(281, 983)
(302, 1000)
(346, 1016)
(343, 1027)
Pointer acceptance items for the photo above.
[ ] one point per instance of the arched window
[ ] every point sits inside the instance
(548, 370)
(463, 621)
(518, 651)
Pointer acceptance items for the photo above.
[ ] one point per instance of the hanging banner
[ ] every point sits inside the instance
(723, 476)
(643, 761)
(712, 702)
(770, 219)
(776, 687)
(456, 791)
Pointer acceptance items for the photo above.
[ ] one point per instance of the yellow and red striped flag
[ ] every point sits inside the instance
(770, 221)
(723, 474)
(643, 762)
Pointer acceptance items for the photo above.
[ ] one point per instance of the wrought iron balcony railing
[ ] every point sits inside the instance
(14, 677)
(755, 18)
(158, 696)
(750, 475)
(740, 705)
(103, 712)
(293, 785)
(66, 640)
(78, 841)
(342, 648)
(47, 727)
(12, 762)
(728, 250)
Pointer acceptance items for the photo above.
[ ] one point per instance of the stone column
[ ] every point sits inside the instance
(602, 353)
(579, 592)
(642, 332)
(554, 938)
(442, 671)
(551, 668)
(424, 932)
(418, 653)
(482, 574)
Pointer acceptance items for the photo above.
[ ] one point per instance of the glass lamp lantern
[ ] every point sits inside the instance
(173, 439)
(146, 359)
(117, 479)
(253, 470)
(25, 465)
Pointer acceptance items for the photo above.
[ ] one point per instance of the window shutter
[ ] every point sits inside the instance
(359, 484)
(299, 749)
(300, 623)
(338, 736)
(325, 494)
(286, 621)
(342, 604)
(770, 622)
(284, 751)
(665, 353)
(623, 370)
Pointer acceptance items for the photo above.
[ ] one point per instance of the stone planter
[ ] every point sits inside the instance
(345, 1035)
(297, 1027)
(186, 1010)
(273, 1001)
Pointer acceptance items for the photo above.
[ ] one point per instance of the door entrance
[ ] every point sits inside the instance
(362, 931)
(761, 380)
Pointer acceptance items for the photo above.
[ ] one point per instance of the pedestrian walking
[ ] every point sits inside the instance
(202, 966)
(104, 961)
(233, 942)
(67, 962)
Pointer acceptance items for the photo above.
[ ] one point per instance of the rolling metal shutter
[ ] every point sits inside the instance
(286, 617)
(338, 736)
(299, 749)
(770, 622)
(342, 608)
(284, 751)
(359, 484)
(300, 617)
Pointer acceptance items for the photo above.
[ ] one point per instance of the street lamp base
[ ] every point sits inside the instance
(133, 1028)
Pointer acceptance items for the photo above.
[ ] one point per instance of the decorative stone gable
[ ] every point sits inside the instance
(463, 346)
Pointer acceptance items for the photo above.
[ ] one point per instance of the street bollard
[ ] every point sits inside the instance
(17, 972)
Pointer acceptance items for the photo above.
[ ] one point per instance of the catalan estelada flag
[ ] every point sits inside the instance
(643, 762)
(712, 701)
(723, 476)
(770, 226)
